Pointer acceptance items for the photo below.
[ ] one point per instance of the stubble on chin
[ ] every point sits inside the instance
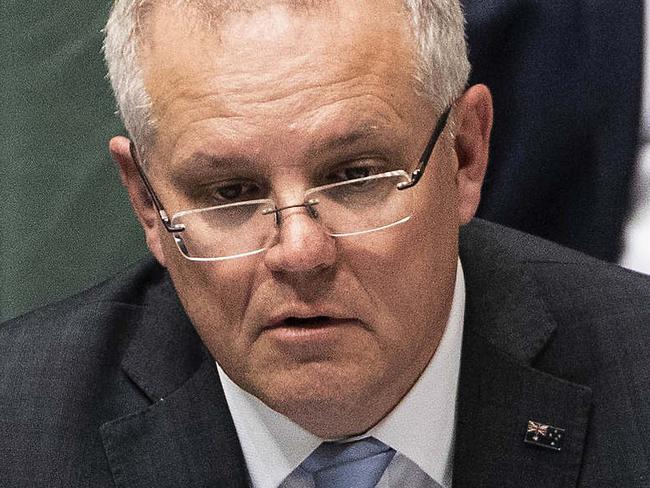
(328, 399)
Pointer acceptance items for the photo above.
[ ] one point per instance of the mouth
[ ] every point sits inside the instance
(315, 322)
(308, 331)
(311, 331)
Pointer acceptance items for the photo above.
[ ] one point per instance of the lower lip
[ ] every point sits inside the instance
(310, 334)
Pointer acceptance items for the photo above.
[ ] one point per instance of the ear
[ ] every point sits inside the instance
(473, 123)
(140, 200)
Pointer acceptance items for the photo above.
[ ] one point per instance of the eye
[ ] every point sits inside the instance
(236, 191)
(352, 173)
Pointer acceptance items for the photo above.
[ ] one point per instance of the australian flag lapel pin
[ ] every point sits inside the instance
(546, 436)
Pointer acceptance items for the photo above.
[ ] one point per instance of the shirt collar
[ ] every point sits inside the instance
(421, 426)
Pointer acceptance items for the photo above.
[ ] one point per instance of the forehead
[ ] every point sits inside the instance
(296, 67)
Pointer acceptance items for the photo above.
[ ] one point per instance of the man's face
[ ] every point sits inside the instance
(332, 332)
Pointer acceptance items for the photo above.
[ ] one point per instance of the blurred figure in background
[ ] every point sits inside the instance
(566, 161)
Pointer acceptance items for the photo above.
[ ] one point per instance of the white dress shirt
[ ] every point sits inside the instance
(420, 428)
(636, 251)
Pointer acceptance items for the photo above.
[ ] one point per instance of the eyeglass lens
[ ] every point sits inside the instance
(343, 209)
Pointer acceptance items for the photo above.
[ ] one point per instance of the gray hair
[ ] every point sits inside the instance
(441, 64)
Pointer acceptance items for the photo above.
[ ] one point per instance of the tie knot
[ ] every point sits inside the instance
(330, 454)
(359, 463)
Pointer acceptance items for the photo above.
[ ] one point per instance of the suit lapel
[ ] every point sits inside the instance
(506, 326)
(186, 437)
(497, 398)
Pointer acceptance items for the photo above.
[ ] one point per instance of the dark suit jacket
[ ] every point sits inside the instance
(114, 388)
(566, 76)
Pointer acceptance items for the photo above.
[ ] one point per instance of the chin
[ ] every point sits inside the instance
(323, 397)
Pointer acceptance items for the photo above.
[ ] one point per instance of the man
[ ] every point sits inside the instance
(301, 171)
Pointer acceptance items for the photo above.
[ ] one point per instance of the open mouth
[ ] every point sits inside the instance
(322, 331)
(307, 322)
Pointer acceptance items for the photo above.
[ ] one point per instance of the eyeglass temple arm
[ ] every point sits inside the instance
(426, 155)
(154, 198)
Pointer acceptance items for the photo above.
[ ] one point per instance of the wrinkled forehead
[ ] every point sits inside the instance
(276, 73)
(274, 51)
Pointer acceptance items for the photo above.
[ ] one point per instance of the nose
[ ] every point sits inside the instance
(302, 245)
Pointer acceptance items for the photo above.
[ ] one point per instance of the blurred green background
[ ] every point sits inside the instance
(66, 221)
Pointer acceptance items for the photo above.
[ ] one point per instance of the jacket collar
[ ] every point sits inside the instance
(165, 350)
(186, 437)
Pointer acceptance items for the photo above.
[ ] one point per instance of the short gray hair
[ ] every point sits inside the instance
(442, 67)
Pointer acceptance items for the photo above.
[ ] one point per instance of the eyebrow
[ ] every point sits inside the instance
(201, 165)
(357, 135)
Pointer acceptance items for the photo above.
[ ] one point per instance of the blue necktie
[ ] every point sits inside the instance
(358, 464)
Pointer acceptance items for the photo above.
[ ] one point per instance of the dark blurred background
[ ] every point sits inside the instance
(66, 221)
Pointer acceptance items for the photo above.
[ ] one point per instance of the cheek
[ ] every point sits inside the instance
(215, 297)
(408, 273)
